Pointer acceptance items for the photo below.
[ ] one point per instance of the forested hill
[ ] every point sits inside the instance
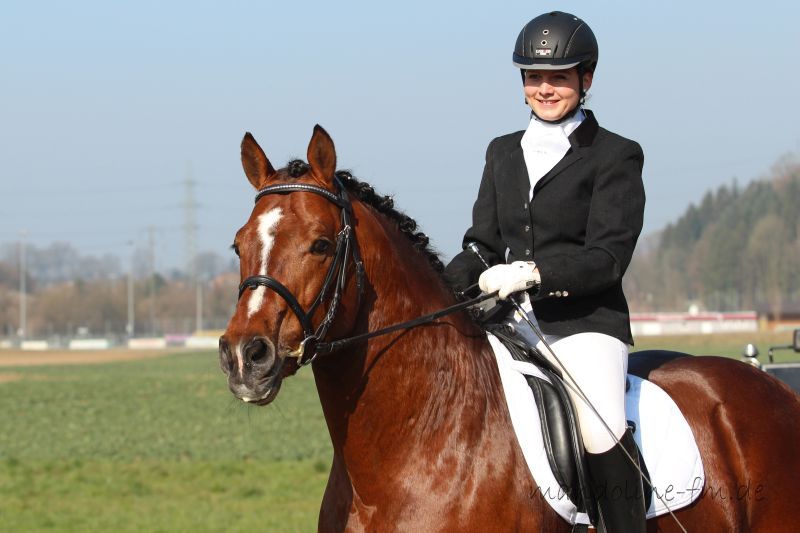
(737, 249)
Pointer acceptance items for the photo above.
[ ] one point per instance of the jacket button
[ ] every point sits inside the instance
(527, 252)
(527, 229)
(552, 294)
(525, 207)
(558, 294)
(565, 294)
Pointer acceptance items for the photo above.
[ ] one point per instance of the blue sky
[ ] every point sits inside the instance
(106, 108)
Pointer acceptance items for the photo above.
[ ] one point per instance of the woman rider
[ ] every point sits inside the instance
(558, 213)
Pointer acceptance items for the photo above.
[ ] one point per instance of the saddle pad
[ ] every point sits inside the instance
(662, 434)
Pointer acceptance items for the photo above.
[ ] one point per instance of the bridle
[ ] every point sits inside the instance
(346, 250)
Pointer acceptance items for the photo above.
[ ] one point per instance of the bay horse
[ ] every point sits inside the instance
(421, 434)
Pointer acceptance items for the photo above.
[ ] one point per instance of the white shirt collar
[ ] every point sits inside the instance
(544, 144)
(566, 128)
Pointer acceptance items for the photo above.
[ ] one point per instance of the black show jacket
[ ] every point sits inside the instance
(580, 229)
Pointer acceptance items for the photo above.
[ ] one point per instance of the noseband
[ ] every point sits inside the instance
(346, 249)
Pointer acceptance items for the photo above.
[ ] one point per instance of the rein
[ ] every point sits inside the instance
(424, 319)
(346, 249)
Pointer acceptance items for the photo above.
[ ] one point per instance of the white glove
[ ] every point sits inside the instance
(518, 276)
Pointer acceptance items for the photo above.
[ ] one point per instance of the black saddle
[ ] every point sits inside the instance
(562, 440)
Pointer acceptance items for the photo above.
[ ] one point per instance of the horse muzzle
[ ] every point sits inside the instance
(254, 371)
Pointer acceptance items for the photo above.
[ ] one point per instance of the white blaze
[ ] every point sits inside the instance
(266, 232)
(267, 228)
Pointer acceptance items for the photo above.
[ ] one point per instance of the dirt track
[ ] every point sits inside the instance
(78, 357)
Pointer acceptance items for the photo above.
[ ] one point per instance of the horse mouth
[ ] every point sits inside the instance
(266, 398)
(263, 391)
(263, 398)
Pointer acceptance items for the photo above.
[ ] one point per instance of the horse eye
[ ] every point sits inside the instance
(235, 249)
(320, 246)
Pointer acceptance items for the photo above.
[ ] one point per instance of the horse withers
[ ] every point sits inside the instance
(421, 433)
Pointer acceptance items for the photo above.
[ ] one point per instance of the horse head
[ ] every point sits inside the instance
(297, 254)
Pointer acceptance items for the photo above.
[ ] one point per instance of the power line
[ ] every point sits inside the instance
(190, 207)
(190, 226)
(151, 231)
(23, 296)
(86, 191)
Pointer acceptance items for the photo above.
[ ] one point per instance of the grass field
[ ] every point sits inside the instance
(729, 345)
(161, 445)
(156, 445)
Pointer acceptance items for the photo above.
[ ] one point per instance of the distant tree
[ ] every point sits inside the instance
(67, 290)
(175, 307)
(104, 267)
(56, 263)
(141, 263)
(737, 247)
(221, 301)
(9, 311)
(209, 265)
(771, 259)
(61, 308)
(9, 275)
(642, 282)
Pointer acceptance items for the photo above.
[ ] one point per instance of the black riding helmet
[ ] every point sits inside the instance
(556, 41)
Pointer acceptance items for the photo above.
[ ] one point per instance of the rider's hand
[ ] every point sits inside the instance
(518, 276)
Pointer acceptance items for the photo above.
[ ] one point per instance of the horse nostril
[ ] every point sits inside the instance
(225, 359)
(259, 351)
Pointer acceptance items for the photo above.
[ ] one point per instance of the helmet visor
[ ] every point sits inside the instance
(543, 63)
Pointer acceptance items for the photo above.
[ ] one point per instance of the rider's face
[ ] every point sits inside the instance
(554, 93)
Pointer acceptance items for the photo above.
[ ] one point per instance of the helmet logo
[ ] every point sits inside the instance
(543, 52)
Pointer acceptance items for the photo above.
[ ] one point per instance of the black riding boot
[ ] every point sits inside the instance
(618, 488)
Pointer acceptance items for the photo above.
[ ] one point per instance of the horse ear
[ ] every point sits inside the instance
(255, 163)
(322, 155)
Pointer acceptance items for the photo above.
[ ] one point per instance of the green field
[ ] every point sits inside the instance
(161, 445)
(729, 345)
(157, 445)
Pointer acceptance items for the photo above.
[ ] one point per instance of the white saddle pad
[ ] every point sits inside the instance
(662, 434)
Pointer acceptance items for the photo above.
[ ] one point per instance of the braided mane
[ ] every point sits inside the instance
(382, 204)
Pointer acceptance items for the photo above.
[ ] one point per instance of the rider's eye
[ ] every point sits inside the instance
(320, 246)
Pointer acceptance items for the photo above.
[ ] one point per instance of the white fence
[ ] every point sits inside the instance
(208, 341)
(89, 344)
(644, 324)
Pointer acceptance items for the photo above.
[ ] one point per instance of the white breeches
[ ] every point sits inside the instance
(598, 363)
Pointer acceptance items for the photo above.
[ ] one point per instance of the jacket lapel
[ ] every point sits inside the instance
(582, 137)
(571, 156)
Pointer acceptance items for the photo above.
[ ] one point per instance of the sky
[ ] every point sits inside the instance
(108, 109)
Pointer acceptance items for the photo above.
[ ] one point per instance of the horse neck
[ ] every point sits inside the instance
(434, 383)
